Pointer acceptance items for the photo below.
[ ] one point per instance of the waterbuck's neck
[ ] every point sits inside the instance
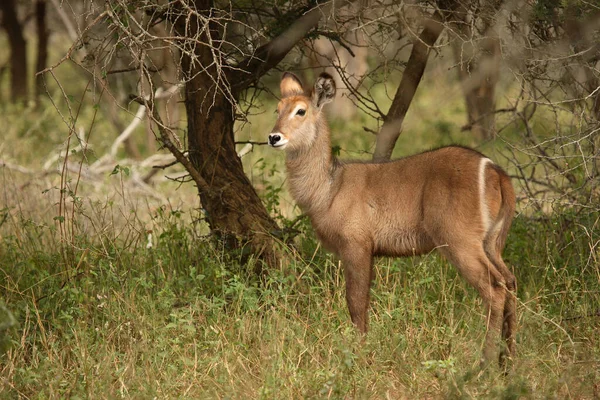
(311, 172)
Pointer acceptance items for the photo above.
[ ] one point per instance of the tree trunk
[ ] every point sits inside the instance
(478, 69)
(392, 126)
(18, 50)
(233, 209)
(478, 75)
(42, 46)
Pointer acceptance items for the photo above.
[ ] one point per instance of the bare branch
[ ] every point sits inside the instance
(15, 167)
(269, 55)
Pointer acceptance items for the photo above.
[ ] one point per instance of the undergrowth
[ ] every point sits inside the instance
(170, 316)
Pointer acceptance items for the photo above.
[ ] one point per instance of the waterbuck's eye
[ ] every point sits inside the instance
(301, 112)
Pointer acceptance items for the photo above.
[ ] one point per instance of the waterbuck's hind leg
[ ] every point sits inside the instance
(358, 266)
(493, 251)
(475, 267)
(509, 322)
(508, 328)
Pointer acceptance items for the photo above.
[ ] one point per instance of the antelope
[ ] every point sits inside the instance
(453, 199)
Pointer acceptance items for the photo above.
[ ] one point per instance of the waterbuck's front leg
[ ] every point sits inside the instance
(358, 266)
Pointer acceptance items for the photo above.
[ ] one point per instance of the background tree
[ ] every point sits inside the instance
(554, 48)
(432, 27)
(18, 50)
(476, 49)
(212, 91)
(42, 46)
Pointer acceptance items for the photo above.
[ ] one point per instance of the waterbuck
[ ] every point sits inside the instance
(452, 199)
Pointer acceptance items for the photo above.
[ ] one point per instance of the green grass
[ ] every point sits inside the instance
(111, 318)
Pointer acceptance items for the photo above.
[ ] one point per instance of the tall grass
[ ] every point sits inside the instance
(183, 319)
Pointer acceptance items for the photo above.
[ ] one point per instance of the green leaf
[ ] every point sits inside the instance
(118, 169)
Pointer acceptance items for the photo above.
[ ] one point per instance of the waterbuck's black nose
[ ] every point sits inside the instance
(274, 138)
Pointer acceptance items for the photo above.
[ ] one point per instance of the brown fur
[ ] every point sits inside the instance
(401, 208)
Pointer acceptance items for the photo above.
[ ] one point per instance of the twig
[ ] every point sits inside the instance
(498, 111)
(252, 142)
(248, 147)
(165, 166)
(335, 37)
(594, 314)
(65, 19)
(73, 46)
(131, 69)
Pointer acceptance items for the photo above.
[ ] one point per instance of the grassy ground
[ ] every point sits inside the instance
(88, 309)
(181, 319)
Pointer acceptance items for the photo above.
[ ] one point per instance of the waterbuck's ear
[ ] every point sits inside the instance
(290, 85)
(324, 90)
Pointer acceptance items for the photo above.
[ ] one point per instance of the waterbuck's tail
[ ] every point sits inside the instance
(507, 209)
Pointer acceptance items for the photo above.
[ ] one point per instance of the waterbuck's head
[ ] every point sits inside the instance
(299, 112)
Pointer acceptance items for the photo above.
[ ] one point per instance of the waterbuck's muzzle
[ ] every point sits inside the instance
(274, 138)
(277, 140)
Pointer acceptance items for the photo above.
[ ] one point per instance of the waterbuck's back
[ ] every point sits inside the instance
(396, 205)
